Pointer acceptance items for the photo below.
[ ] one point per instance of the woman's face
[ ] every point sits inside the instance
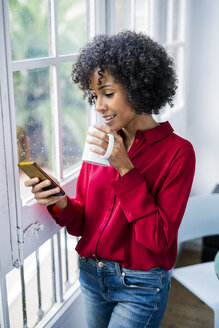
(111, 102)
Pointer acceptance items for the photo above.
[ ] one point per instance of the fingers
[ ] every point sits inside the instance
(39, 186)
(49, 201)
(101, 138)
(45, 194)
(106, 129)
(98, 142)
(31, 182)
(46, 197)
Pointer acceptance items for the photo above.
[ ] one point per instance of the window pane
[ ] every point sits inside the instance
(31, 293)
(122, 13)
(69, 259)
(178, 56)
(176, 19)
(28, 28)
(74, 119)
(35, 294)
(14, 299)
(71, 25)
(33, 119)
(46, 274)
(142, 17)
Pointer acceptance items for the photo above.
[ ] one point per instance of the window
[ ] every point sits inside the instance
(163, 21)
(42, 281)
(51, 116)
(174, 41)
(44, 119)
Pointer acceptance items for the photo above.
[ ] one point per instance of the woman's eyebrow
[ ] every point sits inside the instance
(104, 86)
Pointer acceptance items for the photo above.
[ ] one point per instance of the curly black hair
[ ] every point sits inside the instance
(139, 64)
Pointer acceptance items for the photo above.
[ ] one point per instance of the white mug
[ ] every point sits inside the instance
(93, 158)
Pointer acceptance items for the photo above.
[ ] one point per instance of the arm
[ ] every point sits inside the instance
(72, 216)
(156, 219)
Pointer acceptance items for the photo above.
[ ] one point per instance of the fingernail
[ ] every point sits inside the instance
(48, 182)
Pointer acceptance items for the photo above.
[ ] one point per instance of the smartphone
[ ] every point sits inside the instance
(33, 170)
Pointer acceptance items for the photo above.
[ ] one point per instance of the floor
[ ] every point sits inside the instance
(184, 310)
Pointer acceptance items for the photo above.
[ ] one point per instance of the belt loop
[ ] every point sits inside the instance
(118, 269)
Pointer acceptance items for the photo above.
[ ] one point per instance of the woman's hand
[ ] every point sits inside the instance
(47, 197)
(119, 157)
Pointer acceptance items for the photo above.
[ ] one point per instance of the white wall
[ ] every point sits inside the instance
(203, 91)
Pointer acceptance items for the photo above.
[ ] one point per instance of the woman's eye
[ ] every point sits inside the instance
(109, 94)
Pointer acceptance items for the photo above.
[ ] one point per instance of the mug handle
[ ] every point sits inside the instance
(110, 147)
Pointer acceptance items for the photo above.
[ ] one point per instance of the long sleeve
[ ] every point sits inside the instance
(156, 219)
(73, 215)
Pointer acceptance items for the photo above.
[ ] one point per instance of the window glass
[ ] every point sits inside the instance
(71, 25)
(31, 293)
(14, 298)
(122, 13)
(69, 259)
(177, 55)
(142, 16)
(46, 276)
(33, 118)
(74, 118)
(38, 291)
(176, 20)
(28, 28)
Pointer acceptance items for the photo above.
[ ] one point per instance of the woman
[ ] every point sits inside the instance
(127, 214)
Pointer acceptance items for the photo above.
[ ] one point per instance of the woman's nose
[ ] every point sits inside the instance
(100, 106)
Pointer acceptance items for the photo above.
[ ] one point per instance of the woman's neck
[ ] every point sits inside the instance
(142, 122)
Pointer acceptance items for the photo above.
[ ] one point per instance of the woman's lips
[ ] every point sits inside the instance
(108, 119)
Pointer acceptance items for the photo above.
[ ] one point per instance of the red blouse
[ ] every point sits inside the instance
(134, 219)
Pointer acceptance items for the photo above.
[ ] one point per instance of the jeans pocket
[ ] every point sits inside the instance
(145, 282)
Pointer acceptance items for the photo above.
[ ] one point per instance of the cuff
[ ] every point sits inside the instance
(61, 216)
(136, 201)
(127, 182)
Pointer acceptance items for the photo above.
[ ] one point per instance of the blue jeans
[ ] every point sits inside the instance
(116, 297)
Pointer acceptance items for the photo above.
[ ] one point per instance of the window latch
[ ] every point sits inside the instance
(31, 232)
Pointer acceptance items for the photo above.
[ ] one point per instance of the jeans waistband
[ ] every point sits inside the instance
(112, 266)
(103, 264)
